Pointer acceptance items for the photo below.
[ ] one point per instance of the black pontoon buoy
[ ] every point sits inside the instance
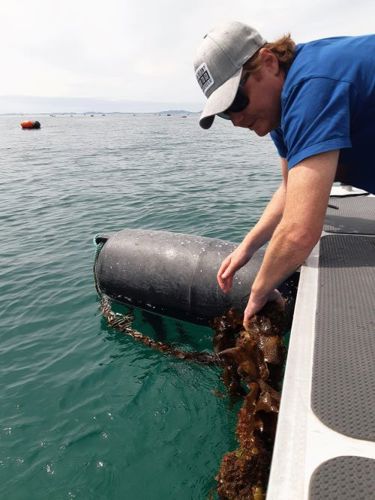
(170, 273)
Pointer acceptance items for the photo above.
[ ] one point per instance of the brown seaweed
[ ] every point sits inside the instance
(257, 351)
(252, 362)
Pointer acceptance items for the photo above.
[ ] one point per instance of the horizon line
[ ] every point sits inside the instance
(22, 104)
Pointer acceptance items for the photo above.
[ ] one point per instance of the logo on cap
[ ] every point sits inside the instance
(204, 77)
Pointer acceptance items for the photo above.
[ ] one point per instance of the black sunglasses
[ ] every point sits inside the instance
(240, 102)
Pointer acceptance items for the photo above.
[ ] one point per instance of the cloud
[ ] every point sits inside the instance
(142, 49)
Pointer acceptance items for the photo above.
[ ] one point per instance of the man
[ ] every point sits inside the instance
(317, 100)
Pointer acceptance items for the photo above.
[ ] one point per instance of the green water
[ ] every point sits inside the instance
(86, 412)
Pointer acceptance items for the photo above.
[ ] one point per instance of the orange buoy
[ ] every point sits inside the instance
(30, 125)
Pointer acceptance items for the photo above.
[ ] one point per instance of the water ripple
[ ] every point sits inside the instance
(87, 412)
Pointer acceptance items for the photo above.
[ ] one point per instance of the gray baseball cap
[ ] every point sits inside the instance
(218, 65)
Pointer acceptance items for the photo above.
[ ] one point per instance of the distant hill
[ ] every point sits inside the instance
(178, 112)
(30, 104)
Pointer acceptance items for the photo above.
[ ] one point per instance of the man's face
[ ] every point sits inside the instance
(263, 88)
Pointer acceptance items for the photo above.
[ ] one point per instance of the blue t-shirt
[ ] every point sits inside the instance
(328, 103)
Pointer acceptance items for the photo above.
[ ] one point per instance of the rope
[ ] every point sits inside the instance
(123, 323)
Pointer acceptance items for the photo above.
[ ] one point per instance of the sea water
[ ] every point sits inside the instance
(87, 412)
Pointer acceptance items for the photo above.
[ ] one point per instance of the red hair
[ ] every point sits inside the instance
(284, 50)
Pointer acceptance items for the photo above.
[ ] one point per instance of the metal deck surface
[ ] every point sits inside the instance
(343, 387)
(326, 425)
(344, 478)
(351, 215)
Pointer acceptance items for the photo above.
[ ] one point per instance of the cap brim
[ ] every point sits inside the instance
(220, 100)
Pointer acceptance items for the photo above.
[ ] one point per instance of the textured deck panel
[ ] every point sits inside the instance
(353, 215)
(343, 387)
(344, 478)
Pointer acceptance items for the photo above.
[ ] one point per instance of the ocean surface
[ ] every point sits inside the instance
(86, 412)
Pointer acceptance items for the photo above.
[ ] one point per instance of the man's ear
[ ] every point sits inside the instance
(269, 60)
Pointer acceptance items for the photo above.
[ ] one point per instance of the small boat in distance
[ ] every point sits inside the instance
(28, 125)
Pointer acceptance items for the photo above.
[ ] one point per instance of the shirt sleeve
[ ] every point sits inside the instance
(278, 140)
(316, 118)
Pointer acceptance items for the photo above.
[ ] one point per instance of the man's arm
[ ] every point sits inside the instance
(264, 228)
(308, 190)
(257, 237)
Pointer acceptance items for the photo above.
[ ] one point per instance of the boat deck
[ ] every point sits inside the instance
(325, 441)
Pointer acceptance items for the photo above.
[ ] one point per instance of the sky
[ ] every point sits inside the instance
(76, 54)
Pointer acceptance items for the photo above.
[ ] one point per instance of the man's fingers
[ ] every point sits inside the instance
(228, 284)
(227, 272)
(225, 283)
(246, 321)
(226, 262)
(276, 296)
(254, 305)
(225, 275)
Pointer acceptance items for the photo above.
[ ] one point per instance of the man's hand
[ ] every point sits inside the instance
(231, 265)
(256, 303)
